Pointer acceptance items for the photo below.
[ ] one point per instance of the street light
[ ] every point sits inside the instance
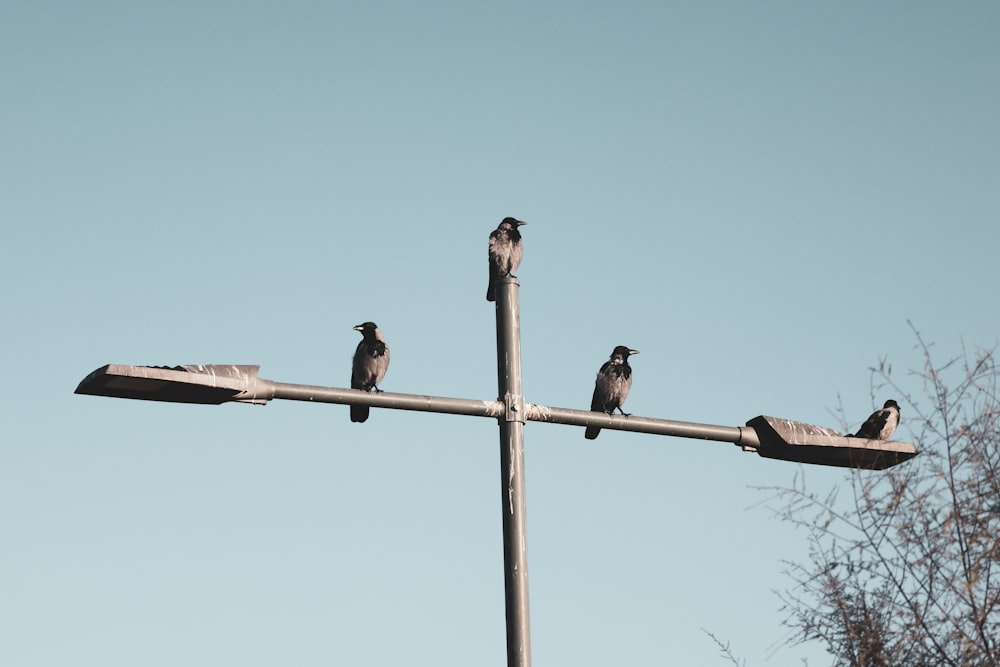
(770, 437)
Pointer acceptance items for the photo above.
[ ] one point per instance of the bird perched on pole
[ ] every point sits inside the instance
(371, 361)
(612, 385)
(505, 252)
(881, 424)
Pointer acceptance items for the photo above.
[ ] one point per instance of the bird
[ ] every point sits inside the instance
(611, 387)
(505, 252)
(371, 361)
(881, 424)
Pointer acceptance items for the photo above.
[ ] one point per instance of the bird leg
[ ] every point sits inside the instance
(627, 414)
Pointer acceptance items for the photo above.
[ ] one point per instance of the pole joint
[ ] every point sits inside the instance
(514, 408)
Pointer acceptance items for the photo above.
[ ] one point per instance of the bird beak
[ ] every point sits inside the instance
(521, 222)
(631, 352)
(358, 328)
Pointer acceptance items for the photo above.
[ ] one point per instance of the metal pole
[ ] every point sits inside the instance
(515, 545)
(216, 384)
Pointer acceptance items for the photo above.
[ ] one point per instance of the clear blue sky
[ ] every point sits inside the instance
(757, 196)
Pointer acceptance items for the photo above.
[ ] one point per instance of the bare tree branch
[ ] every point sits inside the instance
(903, 569)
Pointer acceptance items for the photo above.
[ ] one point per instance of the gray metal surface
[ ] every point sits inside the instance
(386, 399)
(205, 384)
(789, 440)
(770, 437)
(512, 484)
(543, 413)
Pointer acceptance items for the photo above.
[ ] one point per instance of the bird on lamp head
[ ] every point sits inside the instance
(881, 424)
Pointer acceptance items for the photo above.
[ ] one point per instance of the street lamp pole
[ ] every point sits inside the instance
(512, 500)
(769, 437)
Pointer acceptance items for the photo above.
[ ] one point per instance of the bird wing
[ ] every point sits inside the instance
(495, 250)
(602, 388)
(371, 361)
(611, 387)
(496, 238)
(381, 361)
(516, 252)
(873, 425)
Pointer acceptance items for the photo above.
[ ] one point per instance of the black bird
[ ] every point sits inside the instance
(612, 385)
(505, 252)
(881, 424)
(371, 361)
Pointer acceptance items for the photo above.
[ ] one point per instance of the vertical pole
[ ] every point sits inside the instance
(515, 545)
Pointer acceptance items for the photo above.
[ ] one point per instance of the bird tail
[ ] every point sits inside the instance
(491, 291)
(592, 432)
(359, 413)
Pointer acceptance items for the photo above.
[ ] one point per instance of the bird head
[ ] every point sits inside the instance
(891, 404)
(368, 327)
(623, 352)
(513, 223)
